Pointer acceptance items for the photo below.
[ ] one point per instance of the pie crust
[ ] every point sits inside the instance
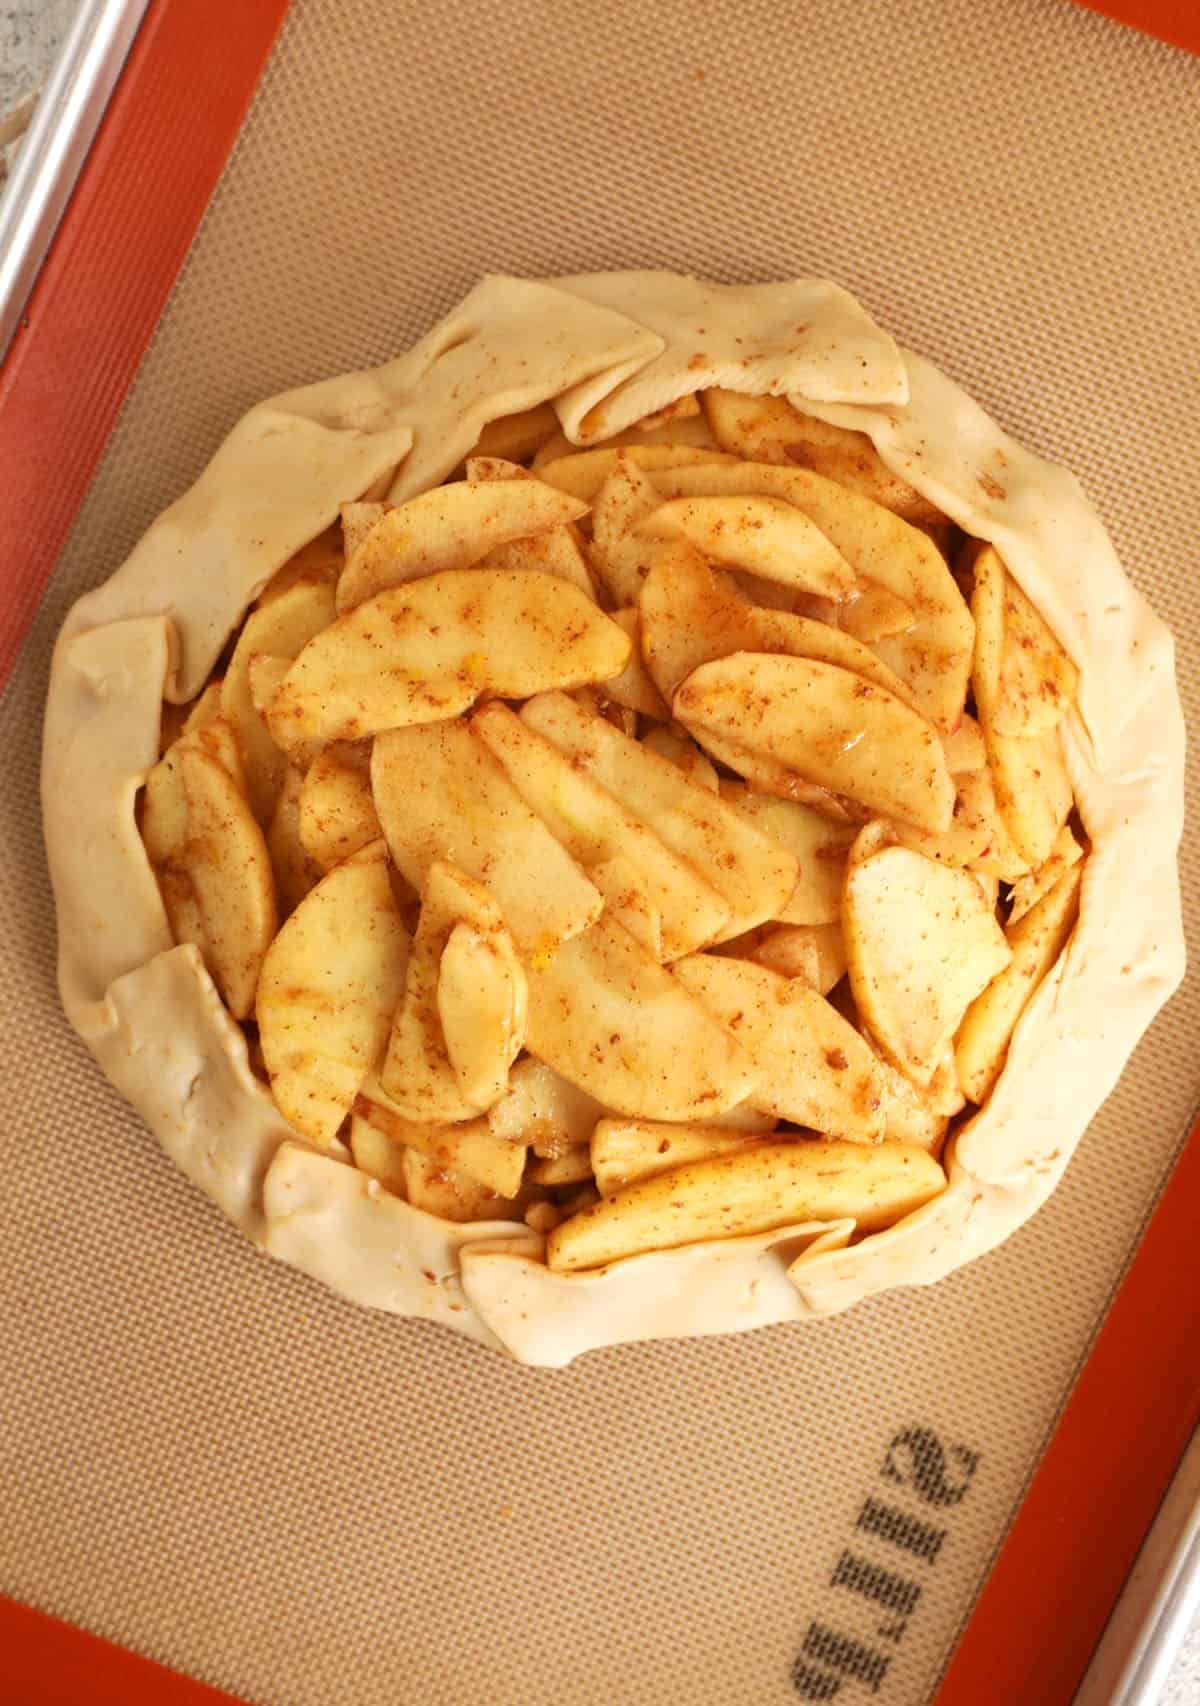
(608, 349)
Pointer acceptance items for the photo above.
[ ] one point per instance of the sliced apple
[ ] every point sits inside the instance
(1033, 791)
(691, 614)
(624, 1151)
(558, 551)
(921, 944)
(606, 1016)
(975, 837)
(769, 429)
(481, 1001)
(422, 1075)
(358, 519)
(595, 827)
(296, 871)
(874, 612)
(440, 794)
(933, 656)
(813, 1068)
(1028, 890)
(449, 527)
(685, 755)
(634, 688)
(520, 435)
(1036, 941)
(832, 727)
(469, 1147)
(763, 1186)
(337, 810)
(330, 984)
(449, 1194)
(966, 749)
(216, 879)
(621, 553)
(377, 1156)
(320, 560)
(572, 1167)
(627, 898)
(764, 536)
(544, 1110)
(426, 652)
(815, 952)
(753, 874)
(1024, 680)
(280, 629)
(818, 845)
(583, 473)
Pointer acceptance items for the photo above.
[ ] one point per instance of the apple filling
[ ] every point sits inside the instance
(650, 843)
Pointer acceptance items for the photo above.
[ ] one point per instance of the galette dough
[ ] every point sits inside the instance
(607, 349)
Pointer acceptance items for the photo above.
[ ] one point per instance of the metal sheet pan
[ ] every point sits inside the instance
(56, 145)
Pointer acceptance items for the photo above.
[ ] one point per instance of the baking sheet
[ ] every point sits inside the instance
(208, 1458)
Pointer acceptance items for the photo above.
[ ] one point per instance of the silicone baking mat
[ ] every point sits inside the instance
(208, 1459)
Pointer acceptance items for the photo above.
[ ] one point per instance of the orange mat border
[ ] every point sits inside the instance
(114, 261)
(1176, 21)
(49, 1663)
(1078, 1531)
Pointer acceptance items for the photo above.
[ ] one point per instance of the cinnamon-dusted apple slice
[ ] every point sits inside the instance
(515, 437)
(449, 1194)
(213, 867)
(1024, 681)
(933, 656)
(493, 1159)
(297, 873)
(337, 811)
(873, 612)
(572, 1167)
(1028, 890)
(544, 1110)
(763, 536)
(975, 837)
(815, 952)
(583, 473)
(441, 795)
(425, 652)
(330, 984)
(1033, 791)
(555, 551)
(605, 1015)
(832, 727)
(627, 898)
(357, 521)
(280, 629)
(594, 826)
(448, 528)
(813, 1068)
(634, 688)
(620, 552)
(1036, 940)
(767, 1185)
(322, 559)
(685, 755)
(769, 429)
(966, 750)
(691, 614)
(922, 943)
(819, 845)
(454, 1038)
(481, 1002)
(624, 1151)
(753, 874)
